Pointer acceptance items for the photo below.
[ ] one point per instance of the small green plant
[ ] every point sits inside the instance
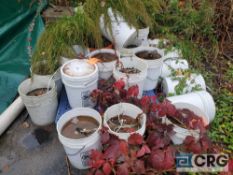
(49, 48)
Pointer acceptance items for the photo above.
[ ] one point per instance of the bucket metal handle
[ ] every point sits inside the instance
(52, 77)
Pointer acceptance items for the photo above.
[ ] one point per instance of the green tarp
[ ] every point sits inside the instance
(16, 22)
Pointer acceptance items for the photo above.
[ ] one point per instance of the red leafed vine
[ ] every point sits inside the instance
(149, 154)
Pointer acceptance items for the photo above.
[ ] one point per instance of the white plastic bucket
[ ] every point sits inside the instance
(126, 109)
(42, 109)
(78, 88)
(142, 36)
(167, 54)
(122, 33)
(78, 150)
(171, 64)
(105, 68)
(132, 79)
(154, 67)
(181, 133)
(195, 80)
(202, 99)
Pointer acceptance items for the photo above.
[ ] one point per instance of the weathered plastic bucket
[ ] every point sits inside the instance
(105, 68)
(78, 88)
(173, 64)
(194, 83)
(167, 54)
(202, 99)
(181, 133)
(141, 40)
(122, 33)
(142, 36)
(78, 150)
(42, 109)
(132, 79)
(126, 109)
(154, 67)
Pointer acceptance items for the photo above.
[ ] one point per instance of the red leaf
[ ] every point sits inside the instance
(124, 147)
(157, 159)
(122, 169)
(91, 172)
(189, 140)
(157, 140)
(112, 162)
(200, 146)
(145, 103)
(162, 159)
(205, 143)
(195, 148)
(139, 167)
(112, 152)
(144, 150)
(141, 152)
(96, 160)
(120, 84)
(191, 145)
(230, 165)
(154, 107)
(147, 149)
(133, 91)
(98, 172)
(171, 110)
(104, 135)
(135, 139)
(107, 169)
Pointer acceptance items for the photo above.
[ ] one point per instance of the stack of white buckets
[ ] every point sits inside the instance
(78, 88)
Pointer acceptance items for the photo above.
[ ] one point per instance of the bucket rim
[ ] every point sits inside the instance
(68, 116)
(142, 128)
(63, 75)
(52, 91)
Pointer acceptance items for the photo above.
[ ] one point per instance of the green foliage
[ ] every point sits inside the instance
(133, 12)
(83, 29)
(221, 128)
(188, 27)
(49, 48)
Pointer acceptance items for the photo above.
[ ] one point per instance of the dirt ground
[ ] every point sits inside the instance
(32, 150)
